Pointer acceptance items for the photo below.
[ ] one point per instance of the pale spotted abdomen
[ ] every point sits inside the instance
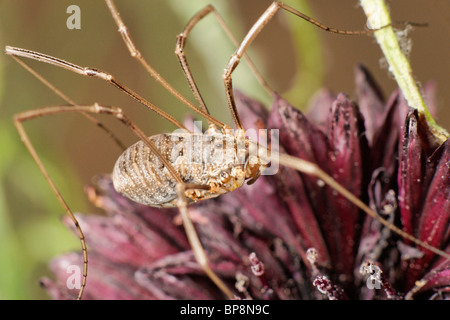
(142, 177)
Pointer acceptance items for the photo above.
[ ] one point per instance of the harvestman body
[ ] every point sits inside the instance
(169, 170)
(214, 162)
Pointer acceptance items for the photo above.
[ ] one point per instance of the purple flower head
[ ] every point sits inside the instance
(289, 236)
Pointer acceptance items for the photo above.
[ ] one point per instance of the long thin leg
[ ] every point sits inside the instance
(18, 119)
(91, 72)
(198, 250)
(181, 42)
(251, 35)
(195, 243)
(118, 114)
(71, 102)
(313, 170)
(297, 164)
(135, 53)
(97, 109)
(292, 162)
(28, 115)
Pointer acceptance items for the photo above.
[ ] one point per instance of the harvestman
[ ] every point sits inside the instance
(208, 180)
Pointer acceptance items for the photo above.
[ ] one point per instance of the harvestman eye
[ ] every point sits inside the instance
(224, 177)
(134, 184)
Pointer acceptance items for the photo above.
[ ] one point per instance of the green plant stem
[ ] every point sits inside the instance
(378, 17)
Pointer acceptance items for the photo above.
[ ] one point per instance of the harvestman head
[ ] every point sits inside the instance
(150, 172)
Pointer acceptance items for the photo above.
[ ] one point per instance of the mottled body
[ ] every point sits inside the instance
(222, 162)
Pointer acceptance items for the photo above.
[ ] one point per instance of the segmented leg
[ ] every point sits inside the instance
(71, 102)
(251, 35)
(292, 162)
(181, 186)
(18, 119)
(181, 42)
(194, 241)
(313, 170)
(135, 53)
(91, 72)
(97, 109)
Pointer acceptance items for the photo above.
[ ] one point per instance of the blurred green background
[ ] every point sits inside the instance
(295, 58)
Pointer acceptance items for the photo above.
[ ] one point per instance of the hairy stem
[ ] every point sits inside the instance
(378, 17)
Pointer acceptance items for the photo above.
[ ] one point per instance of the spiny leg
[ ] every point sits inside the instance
(181, 42)
(135, 53)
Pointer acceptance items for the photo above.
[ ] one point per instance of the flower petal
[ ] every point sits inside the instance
(105, 280)
(346, 167)
(410, 174)
(319, 108)
(370, 101)
(158, 220)
(303, 195)
(177, 276)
